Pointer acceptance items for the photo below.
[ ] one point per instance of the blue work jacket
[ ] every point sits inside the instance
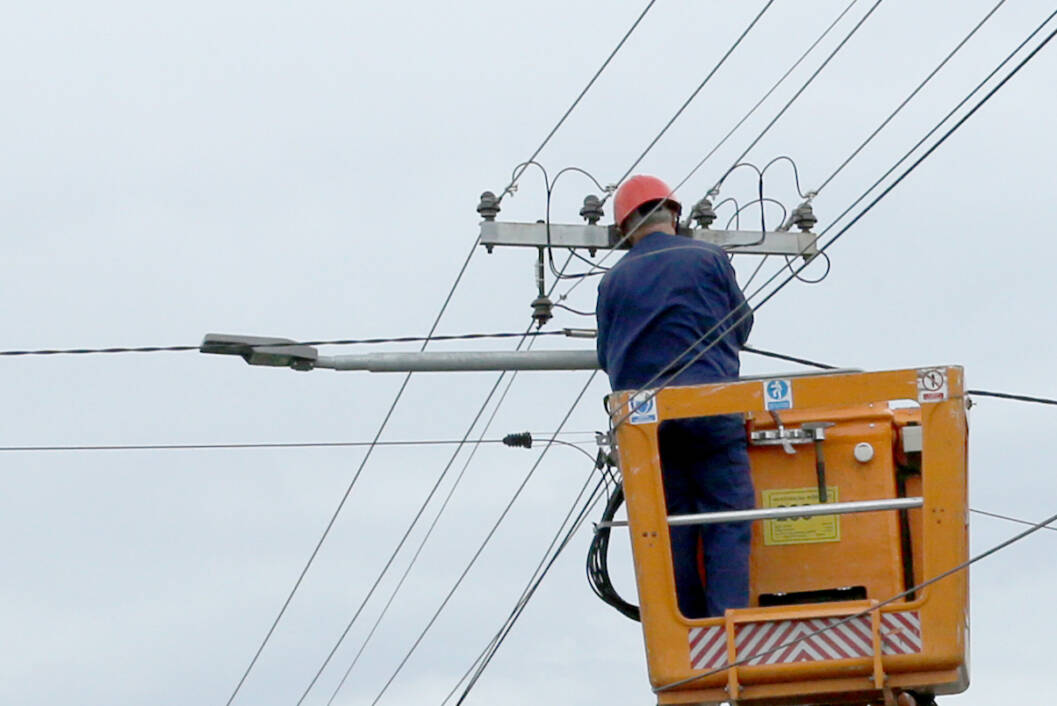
(655, 305)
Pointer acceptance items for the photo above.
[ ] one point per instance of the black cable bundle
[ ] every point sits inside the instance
(598, 560)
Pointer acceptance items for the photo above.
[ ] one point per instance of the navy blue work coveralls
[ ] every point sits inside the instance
(652, 308)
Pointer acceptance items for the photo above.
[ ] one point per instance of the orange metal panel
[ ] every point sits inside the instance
(868, 551)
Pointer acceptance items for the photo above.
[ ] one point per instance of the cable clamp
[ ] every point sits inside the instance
(520, 440)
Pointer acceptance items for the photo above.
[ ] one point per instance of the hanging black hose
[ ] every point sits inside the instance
(598, 559)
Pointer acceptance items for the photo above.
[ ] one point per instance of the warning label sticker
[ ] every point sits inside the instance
(932, 385)
(643, 408)
(777, 394)
(800, 530)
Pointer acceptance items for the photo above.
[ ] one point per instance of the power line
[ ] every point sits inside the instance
(910, 97)
(693, 95)
(1008, 396)
(899, 596)
(403, 539)
(752, 110)
(596, 268)
(726, 320)
(332, 342)
(436, 519)
(832, 240)
(541, 571)
(781, 285)
(799, 92)
(416, 518)
(352, 483)
(485, 657)
(484, 543)
(1009, 519)
(524, 165)
(940, 122)
(790, 358)
(265, 445)
(761, 101)
(422, 544)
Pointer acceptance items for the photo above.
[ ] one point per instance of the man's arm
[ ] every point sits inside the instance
(602, 317)
(738, 306)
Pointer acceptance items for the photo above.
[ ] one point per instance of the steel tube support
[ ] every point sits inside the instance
(464, 361)
(493, 360)
(777, 513)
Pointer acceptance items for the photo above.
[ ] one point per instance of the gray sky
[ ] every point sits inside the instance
(311, 171)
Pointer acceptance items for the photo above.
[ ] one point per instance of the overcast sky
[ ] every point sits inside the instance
(310, 170)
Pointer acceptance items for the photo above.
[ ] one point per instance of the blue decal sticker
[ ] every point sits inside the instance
(778, 394)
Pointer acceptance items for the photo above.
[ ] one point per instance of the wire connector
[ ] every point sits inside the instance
(521, 440)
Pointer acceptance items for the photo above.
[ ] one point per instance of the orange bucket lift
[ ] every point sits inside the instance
(887, 452)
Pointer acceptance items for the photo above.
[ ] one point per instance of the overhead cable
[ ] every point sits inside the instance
(332, 342)
(263, 445)
(762, 100)
(752, 110)
(355, 478)
(693, 95)
(864, 613)
(735, 317)
(396, 590)
(414, 521)
(910, 97)
(550, 556)
(352, 483)
(1009, 519)
(484, 544)
(576, 102)
(422, 543)
(790, 358)
(906, 155)
(1008, 396)
(800, 91)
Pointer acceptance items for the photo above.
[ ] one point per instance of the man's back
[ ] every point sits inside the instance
(654, 307)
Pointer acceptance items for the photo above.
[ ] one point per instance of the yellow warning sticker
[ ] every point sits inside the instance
(800, 530)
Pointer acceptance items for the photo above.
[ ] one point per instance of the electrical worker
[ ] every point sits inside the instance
(671, 313)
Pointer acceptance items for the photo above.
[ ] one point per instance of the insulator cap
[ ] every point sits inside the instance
(592, 210)
(804, 217)
(541, 310)
(702, 213)
(489, 206)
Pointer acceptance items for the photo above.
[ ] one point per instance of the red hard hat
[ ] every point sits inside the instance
(640, 189)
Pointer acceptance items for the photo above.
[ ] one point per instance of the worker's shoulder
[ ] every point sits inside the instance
(685, 248)
(713, 250)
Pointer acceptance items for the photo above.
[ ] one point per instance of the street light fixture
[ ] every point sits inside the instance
(262, 350)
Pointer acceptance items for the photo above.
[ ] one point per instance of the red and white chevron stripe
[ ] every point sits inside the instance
(769, 640)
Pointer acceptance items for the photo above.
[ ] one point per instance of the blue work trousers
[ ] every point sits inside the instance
(705, 467)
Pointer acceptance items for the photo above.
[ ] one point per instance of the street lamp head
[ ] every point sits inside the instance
(262, 350)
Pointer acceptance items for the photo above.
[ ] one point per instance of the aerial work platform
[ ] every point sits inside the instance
(836, 614)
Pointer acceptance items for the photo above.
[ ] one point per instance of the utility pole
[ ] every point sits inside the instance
(593, 237)
(589, 236)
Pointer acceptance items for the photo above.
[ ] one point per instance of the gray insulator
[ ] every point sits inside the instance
(804, 217)
(592, 210)
(489, 206)
(702, 213)
(541, 310)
